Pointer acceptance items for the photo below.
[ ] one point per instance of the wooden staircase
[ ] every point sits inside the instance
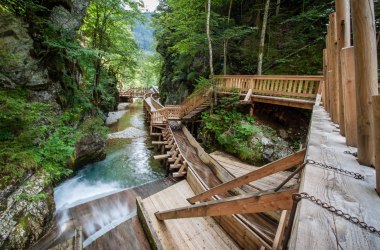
(250, 204)
(195, 113)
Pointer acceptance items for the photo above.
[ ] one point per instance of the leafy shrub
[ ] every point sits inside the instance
(234, 131)
(33, 137)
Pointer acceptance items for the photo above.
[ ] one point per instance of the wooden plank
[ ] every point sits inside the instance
(248, 95)
(349, 96)
(161, 157)
(289, 102)
(353, 196)
(280, 230)
(195, 233)
(271, 168)
(241, 204)
(147, 225)
(155, 134)
(376, 138)
(159, 142)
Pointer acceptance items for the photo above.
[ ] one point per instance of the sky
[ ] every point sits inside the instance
(150, 4)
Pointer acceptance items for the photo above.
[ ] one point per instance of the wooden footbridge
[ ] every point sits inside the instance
(136, 92)
(225, 204)
(318, 198)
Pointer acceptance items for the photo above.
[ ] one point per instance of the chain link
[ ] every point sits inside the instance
(353, 174)
(354, 220)
(351, 153)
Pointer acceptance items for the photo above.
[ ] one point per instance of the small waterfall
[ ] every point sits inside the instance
(99, 197)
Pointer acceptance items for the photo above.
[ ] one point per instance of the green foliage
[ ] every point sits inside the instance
(34, 138)
(293, 42)
(234, 131)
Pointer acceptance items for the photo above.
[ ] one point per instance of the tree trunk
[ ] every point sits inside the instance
(262, 38)
(213, 103)
(278, 7)
(225, 42)
(209, 37)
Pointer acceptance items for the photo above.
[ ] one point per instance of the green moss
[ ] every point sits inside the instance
(234, 131)
(33, 137)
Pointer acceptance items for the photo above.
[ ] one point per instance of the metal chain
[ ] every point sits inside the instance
(353, 174)
(351, 153)
(354, 220)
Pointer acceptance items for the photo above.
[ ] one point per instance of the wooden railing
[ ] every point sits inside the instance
(134, 92)
(299, 87)
(271, 200)
(305, 87)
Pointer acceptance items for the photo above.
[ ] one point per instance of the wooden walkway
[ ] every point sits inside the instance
(355, 197)
(194, 233)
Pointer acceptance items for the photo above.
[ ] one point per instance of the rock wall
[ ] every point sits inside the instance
(28, 213)
(26, 209)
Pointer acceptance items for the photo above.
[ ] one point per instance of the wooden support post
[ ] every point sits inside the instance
(334, 65)
(248, 96)
(246, 203)
(325, 85)
(343, 39)
(269, 169)
(252, 109)
(376, 138)
(161, 157)
(280, 230)
(349, 95)
(366, 78)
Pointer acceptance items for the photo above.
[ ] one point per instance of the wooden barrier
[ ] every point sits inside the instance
(376, 138)
(343, 40)
(349, 95)
(366, 75)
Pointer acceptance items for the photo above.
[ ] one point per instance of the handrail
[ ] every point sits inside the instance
(264, 201)
(269, 169)
(303, 87)
(297, 86)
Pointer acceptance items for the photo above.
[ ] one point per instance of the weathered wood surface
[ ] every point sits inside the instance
(349, 96)
(343, 40)
(364, 34)
(238, 168)
(128, 235)
(317, 228)
(205, 173)
(264, 201)
(269, 169)
(194, 233)
(376, 138)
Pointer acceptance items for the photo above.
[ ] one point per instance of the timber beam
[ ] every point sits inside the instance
(269, 169)
(242, 204)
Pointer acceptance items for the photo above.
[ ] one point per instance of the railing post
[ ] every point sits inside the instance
(343, 40)
(366, 77)
(349, 95)
(376, 138)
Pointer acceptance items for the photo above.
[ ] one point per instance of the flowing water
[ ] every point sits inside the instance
(128, 164)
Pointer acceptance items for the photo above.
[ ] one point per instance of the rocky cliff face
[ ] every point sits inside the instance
(28, 213)
(26, 208)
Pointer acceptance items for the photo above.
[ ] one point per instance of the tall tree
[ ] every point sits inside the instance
(225, 41)
(209, 37)
(262, 38)
(107, 30)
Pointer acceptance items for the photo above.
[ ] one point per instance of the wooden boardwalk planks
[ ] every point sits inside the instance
(317, 228)
(194, 233)
(238, 168)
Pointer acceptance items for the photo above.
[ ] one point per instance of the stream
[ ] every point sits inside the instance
(129, 163)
